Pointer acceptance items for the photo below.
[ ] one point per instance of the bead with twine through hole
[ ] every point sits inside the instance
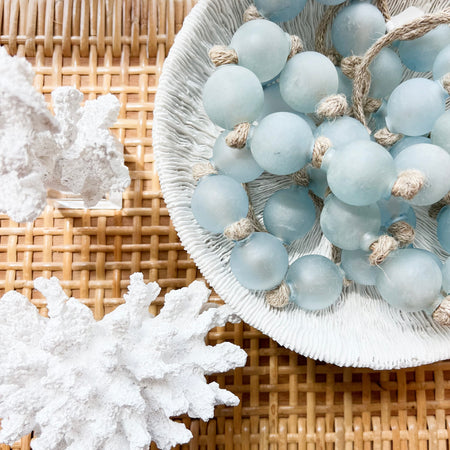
(357, 267)
(395, 209)
(321, 145)
(411, 280)
(259, 262)
(238, 137)
(424, 174)
(315, 282)
(402, 232)
(279, 297)
(382, 248)
(333, 106)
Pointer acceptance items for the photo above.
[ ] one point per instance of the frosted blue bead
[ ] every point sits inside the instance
(232, 95)
(259, 262)
(356, 27)
(262, 47)
(330, 2)
(218, 201)
(280, 10)
(414, 106)
(396, 209)
(282, 143)
(434, 163)
(379, 116)
(237, 163)
(410, 280)
(357, 267)
(307, 78)
(342, 131)
(443, 230)
(441, 64)
(318, 183)
(345, 85)
(406, 142)
(273, 102)
(440, 134)
(386, 73)
(315, 282)
(419, 54)
(446, 276)
(349, 227)
(360, 173)
(289, 213)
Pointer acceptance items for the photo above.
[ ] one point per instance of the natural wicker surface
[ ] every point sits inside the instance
(288, 402)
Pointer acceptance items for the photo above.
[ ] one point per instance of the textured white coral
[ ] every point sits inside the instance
(115, 383)
(73, 151)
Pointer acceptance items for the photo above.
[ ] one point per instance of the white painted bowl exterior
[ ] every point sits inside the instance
(361, 330)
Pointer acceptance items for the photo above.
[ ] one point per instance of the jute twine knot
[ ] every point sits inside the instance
(279, 297)
(402, 232)
(435, 209)
(201, 170)
(333, 106)
(381, 249)
(442, 313)
(349, 64)
(221, 55)
(372, 105)
(251, 13)
(296, 46)
(408, 184)
(301, 177)
(238, 137)
(385, 138)
(239, 230)
(321, 146)
(446, 82)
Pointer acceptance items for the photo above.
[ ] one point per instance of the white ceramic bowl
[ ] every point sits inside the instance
(361, 330)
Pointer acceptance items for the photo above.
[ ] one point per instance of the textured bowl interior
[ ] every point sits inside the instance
(360, 330)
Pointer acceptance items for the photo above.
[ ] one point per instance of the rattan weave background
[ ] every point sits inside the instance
(288, 402)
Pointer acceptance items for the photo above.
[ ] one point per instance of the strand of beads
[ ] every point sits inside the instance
(264, 93)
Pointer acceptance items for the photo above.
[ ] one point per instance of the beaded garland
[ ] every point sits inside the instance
(269, 94)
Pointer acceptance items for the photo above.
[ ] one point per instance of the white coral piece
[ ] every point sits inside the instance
(73, 151)
(115, 383)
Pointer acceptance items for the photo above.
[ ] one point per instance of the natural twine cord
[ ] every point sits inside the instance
(402, 232)
(321, 146)
(333, 106)
(408, 184)
(251, 13)
(385, 138)
(301, 177)
(278, 297)
(435, 209)
(238, 137)
(442, 314)
(240, 230)
(412, 30)
(201, 170)
(381, 249)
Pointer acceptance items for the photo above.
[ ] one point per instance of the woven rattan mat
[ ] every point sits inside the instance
(287, 401)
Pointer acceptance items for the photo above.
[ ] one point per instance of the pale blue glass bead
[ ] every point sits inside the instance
(259, 262)
(280, 10)
(434, 163)
(350, 227)
(237, 163)
(379, 116)
(318, 183)
(232, 95)
(282, 143)
(443, 229)
(441, 64)
(315, 282)
(289, 213)
(307, 78)
(396, 209)
(440, 134)
(360, 173)
(330, 2)
(386, 73)
(356, 27)
(406, 142)
(410, 280)
(420, 54)
(273, 102)
(342, 131)
(446, 276)
(218, 201)
(262, 47)
(357, 267)
(414, 106)
(345, 85)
